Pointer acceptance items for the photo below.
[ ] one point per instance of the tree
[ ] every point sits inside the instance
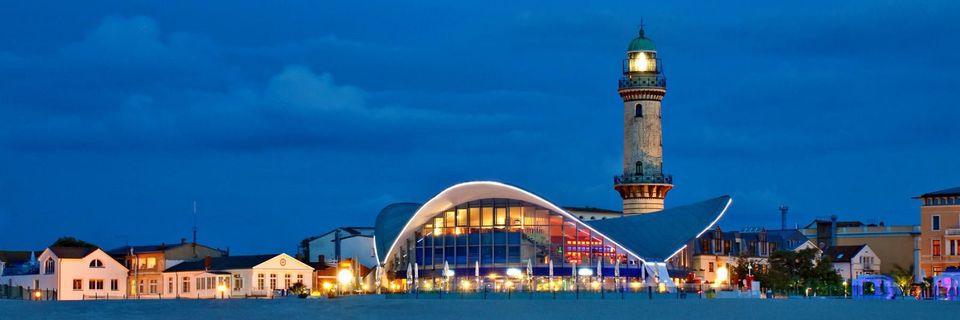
(791, 271)
(903, 277)
(72, 242)
(299, 289)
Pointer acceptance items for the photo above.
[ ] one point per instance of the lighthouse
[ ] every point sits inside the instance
(643, 186)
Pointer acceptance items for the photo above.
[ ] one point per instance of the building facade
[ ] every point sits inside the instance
(491, 235)
(940, 231)
(334, 246)
(715, 250)
(147, 262)
(892, 244)
(73, 274)
(236, 277)
(851, 262)
(643, 186)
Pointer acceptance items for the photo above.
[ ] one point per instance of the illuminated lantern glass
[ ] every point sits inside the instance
(643, 61)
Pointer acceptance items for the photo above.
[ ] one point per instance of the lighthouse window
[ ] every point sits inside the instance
(639, 168)
(638, 112)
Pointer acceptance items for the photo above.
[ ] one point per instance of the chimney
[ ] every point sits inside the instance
(207, 261)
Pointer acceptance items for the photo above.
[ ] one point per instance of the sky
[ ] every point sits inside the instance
(283, 120)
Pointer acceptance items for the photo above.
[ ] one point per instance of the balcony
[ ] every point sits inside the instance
(952, 232)
(640, 179)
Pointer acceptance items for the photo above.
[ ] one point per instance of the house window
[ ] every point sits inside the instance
(114, 285)
(237, 282)
(259, 281)
(638, 111)
(710, 267)
(953, 248)
(153, 286)
(49, 266)
(96, 263)
(140, 287)
(286, 280)
(273, 281)
(95, 284)
(169, 285)
(186, 285)
(935, 225)
(936, 271)
(77, 284)
(936, 248)
(300, 278)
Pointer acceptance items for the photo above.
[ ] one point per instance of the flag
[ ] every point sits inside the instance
(476, 269)
(551, 268)
(599, 268)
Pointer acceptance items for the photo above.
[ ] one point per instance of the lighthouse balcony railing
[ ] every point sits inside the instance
(643, 81)
(628, 179)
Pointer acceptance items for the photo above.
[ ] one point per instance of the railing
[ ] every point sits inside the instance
(952, 232)
(627, 179)
(643, 81)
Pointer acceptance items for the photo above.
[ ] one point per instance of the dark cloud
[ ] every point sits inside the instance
(321, 116)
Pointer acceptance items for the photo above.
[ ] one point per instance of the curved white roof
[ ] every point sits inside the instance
(399, 221)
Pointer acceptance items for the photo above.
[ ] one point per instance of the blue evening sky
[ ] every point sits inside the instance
(284, 119)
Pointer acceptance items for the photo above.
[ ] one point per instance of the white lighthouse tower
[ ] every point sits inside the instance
(643, 186)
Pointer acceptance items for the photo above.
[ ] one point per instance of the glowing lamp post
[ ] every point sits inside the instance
(344, 277)
(37, 294)
(721, 276)
(222, 289)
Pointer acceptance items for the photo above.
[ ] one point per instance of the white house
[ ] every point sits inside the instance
(74, 274)
(235, 277)
(852, 261)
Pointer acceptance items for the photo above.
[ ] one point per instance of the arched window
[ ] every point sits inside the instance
(49, 266)
(638, 111)
(639, 168)
(96, 263)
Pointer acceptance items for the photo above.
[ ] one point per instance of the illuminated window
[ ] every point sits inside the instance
(936, 248)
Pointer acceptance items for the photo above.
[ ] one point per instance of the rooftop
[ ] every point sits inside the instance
(842, 253)
(222, 263)
(955, 191)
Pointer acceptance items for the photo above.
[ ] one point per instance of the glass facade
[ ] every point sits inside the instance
(503, 236)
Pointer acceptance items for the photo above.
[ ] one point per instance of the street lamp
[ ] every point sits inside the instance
(345, 277)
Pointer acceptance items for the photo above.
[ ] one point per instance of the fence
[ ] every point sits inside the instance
(26, 293)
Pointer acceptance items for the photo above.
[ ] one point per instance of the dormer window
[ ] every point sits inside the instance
(96, 263)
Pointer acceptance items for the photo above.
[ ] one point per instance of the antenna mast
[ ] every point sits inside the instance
(194, 225)
(783, 216)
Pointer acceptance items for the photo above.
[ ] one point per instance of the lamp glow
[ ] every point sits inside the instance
(722, 275)
(345, 276)
(514, 272)
(586, 272)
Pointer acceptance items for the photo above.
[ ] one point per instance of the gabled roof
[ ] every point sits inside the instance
(843, 253)
(153, 248)
(945, 192)
(72, 252)
(222, 263)
(18, 256)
